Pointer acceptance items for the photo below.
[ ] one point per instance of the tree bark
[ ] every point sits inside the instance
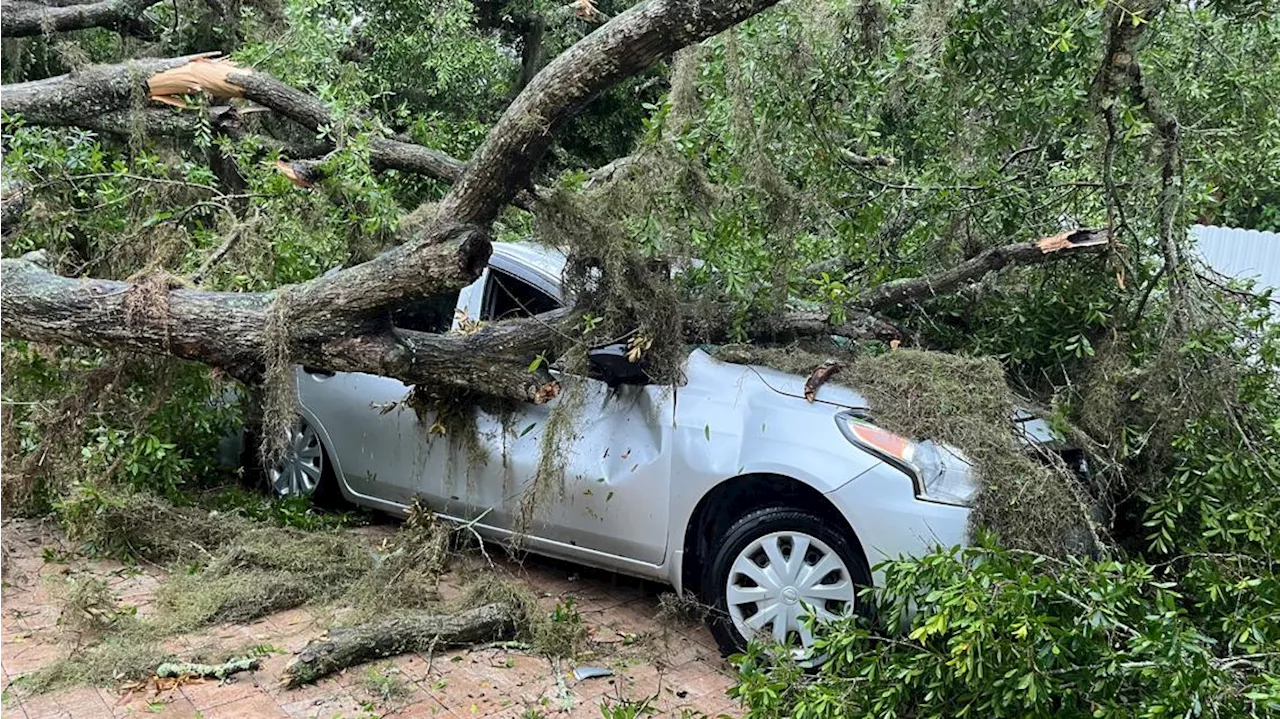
(105, 98)
(495, 359)
(88, 94)
(342, 648)
(24, 18)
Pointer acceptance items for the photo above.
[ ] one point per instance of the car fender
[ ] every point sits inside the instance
(731, 424)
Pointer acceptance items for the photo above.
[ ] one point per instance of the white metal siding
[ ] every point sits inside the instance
(1246, 254)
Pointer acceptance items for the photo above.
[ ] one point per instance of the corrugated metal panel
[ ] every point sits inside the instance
(1241, 253)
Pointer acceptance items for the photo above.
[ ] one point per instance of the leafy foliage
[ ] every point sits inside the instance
(994, 633)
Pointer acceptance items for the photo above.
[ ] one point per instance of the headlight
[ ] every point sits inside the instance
(941, 473)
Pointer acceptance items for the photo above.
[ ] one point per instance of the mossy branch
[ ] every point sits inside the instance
(342, 648)
(25, 18)
(173, 670)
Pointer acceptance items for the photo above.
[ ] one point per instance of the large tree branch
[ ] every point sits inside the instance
(349, 646)
(341, 322)
(1121, 74)
(84, 96)
(311, 113)
(107, 98)
(627, 44)
(1066, 244)
(338, 322)
(494, 359)
(23, 18)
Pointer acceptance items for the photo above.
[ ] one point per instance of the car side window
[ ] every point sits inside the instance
(508, 297)
(429, 314)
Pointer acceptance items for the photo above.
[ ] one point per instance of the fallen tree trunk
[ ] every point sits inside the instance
(340, 323)
(342, 648)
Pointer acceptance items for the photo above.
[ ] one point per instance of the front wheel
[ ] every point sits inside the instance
(772, 568)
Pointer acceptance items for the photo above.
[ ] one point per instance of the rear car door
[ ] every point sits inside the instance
(381, 447)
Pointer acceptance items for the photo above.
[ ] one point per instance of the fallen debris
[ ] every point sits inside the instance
(178, 670)
(1030, 499)
(348, 646)
(228, 568)
(581, 673)
(141, 526)
(819, 377)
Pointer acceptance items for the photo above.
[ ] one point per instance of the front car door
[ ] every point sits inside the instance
(605, 491)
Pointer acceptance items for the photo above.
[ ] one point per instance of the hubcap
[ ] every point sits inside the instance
(299, 468)
(779, 579)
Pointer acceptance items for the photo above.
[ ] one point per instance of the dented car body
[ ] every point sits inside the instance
(730, 485)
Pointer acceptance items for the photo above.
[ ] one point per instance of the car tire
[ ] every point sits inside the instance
(762, 537)
(305, 469)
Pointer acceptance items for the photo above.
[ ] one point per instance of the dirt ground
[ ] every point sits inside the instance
(673, 664)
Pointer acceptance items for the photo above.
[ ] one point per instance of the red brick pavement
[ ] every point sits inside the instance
(678, 669)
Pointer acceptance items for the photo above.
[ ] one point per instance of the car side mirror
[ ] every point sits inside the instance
(610, 365)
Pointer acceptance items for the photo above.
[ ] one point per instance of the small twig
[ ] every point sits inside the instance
(511, 644)
(471, 527)
(563, 695)
(1016, 154)
(138, 178)
(233, 236)
(1234, 290)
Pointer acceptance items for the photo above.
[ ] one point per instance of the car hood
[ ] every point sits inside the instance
(1030, 428)
(834, 394)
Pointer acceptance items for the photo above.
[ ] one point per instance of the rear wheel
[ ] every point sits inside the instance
(303, 468)
(774, 567)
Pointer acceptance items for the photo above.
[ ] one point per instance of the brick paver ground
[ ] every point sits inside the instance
(674, 665)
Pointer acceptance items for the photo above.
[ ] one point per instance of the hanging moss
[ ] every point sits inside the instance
(627, 294)
(449, 414)
(280, 408)
(557, 439)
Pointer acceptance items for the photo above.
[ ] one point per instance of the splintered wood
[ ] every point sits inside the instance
(1072, 239)
(204, 74)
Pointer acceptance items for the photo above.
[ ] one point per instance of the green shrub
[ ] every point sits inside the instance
(997, 633)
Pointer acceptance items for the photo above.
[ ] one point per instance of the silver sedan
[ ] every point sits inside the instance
(764, 505)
